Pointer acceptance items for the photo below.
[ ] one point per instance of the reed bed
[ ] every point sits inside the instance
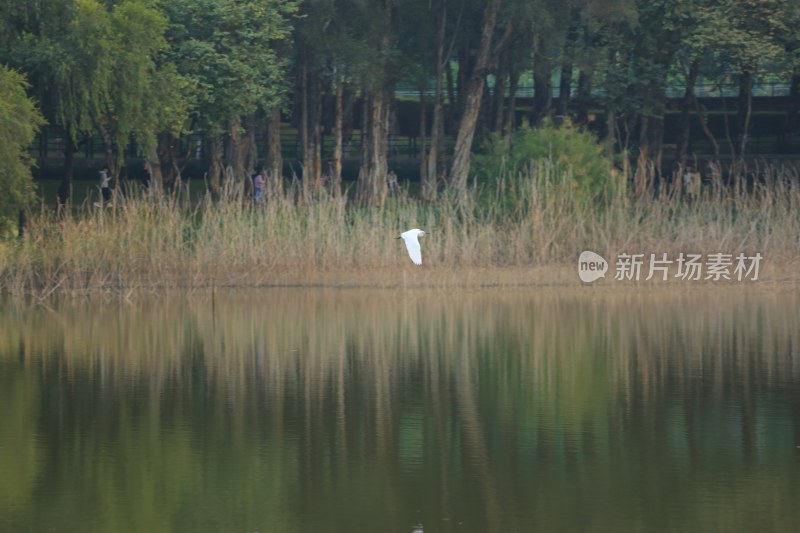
(520, 223)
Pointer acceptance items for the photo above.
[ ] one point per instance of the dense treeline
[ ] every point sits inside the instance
(157, 70)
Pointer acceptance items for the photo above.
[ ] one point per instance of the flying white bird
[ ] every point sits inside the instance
(412, 244)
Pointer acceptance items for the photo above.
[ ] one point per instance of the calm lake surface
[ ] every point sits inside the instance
(375, 411)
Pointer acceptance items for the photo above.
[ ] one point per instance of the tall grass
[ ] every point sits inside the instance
(524, 221)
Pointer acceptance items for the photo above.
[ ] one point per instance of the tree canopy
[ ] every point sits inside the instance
(154, 70)
(19, 121)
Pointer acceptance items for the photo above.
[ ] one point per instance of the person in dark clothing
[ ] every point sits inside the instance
(105, 181)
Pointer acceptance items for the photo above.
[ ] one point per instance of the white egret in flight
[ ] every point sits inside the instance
(412, 244)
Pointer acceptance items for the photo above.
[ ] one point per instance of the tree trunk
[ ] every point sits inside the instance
(214, 164)
(366, 145)
(657, 144)
(432, 171)
(745, 110)
(499, 97)
(648, 162)
(564, 88)
(701, 116)
(372, 179)
(236, 160)
(155, 180)
(567, 65)
(611, 129)
(348, 117)
(249, 148)
(583, 97)
(453, 108)
(304, 113)
(311, 128)
(792, 121)
(463, 77)
(463, 148)
(274, 156)
(167, 174)
(510, 122)
(316, 128)
(338, 140)
(65, 189)
(728, 134)
(472, 100)
(641, 177)
(684, 126)
(423, 139)
(373, 187)
(542, 87)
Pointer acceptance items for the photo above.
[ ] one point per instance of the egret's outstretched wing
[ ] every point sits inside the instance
(413, 249)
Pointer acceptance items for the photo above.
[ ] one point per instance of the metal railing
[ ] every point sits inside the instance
(701, 91)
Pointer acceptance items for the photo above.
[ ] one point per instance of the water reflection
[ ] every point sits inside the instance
(304, 410)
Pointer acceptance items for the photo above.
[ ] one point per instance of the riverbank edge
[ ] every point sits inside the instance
(783, 276)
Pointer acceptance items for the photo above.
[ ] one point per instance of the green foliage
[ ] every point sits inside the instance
(226, 51)
(96, 65)
(142, 91)
(19, 121)
(59, 47)
(348, 38)
(565, 156)
(746, 35)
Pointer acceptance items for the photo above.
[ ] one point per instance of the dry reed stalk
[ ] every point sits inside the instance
(143, 243)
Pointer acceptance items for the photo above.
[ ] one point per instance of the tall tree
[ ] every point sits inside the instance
(19, 121)
(656, 38)
(141, 97)
(791, 42)
(58, 45)
(225, 48)
(378, 83)
(740, 38)
(316, 55)
(471, 93)
(94, 67)
(692, 27)
(428, 29)
(601, 58)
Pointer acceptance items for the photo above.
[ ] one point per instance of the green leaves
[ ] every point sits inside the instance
(19, 121)
(564, 160)
(140, 67)
(227, 51)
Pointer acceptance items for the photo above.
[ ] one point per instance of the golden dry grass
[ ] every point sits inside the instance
(141, 244)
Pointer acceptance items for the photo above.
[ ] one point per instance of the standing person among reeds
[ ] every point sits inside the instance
(104, 184)
(258, 185)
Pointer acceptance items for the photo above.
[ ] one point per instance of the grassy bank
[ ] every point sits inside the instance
(496, 235)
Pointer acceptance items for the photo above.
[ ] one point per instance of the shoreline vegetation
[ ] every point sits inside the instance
(523, 230)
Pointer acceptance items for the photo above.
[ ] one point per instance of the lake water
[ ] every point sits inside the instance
(377, 411)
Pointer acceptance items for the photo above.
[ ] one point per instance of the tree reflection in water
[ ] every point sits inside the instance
(301, 410)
